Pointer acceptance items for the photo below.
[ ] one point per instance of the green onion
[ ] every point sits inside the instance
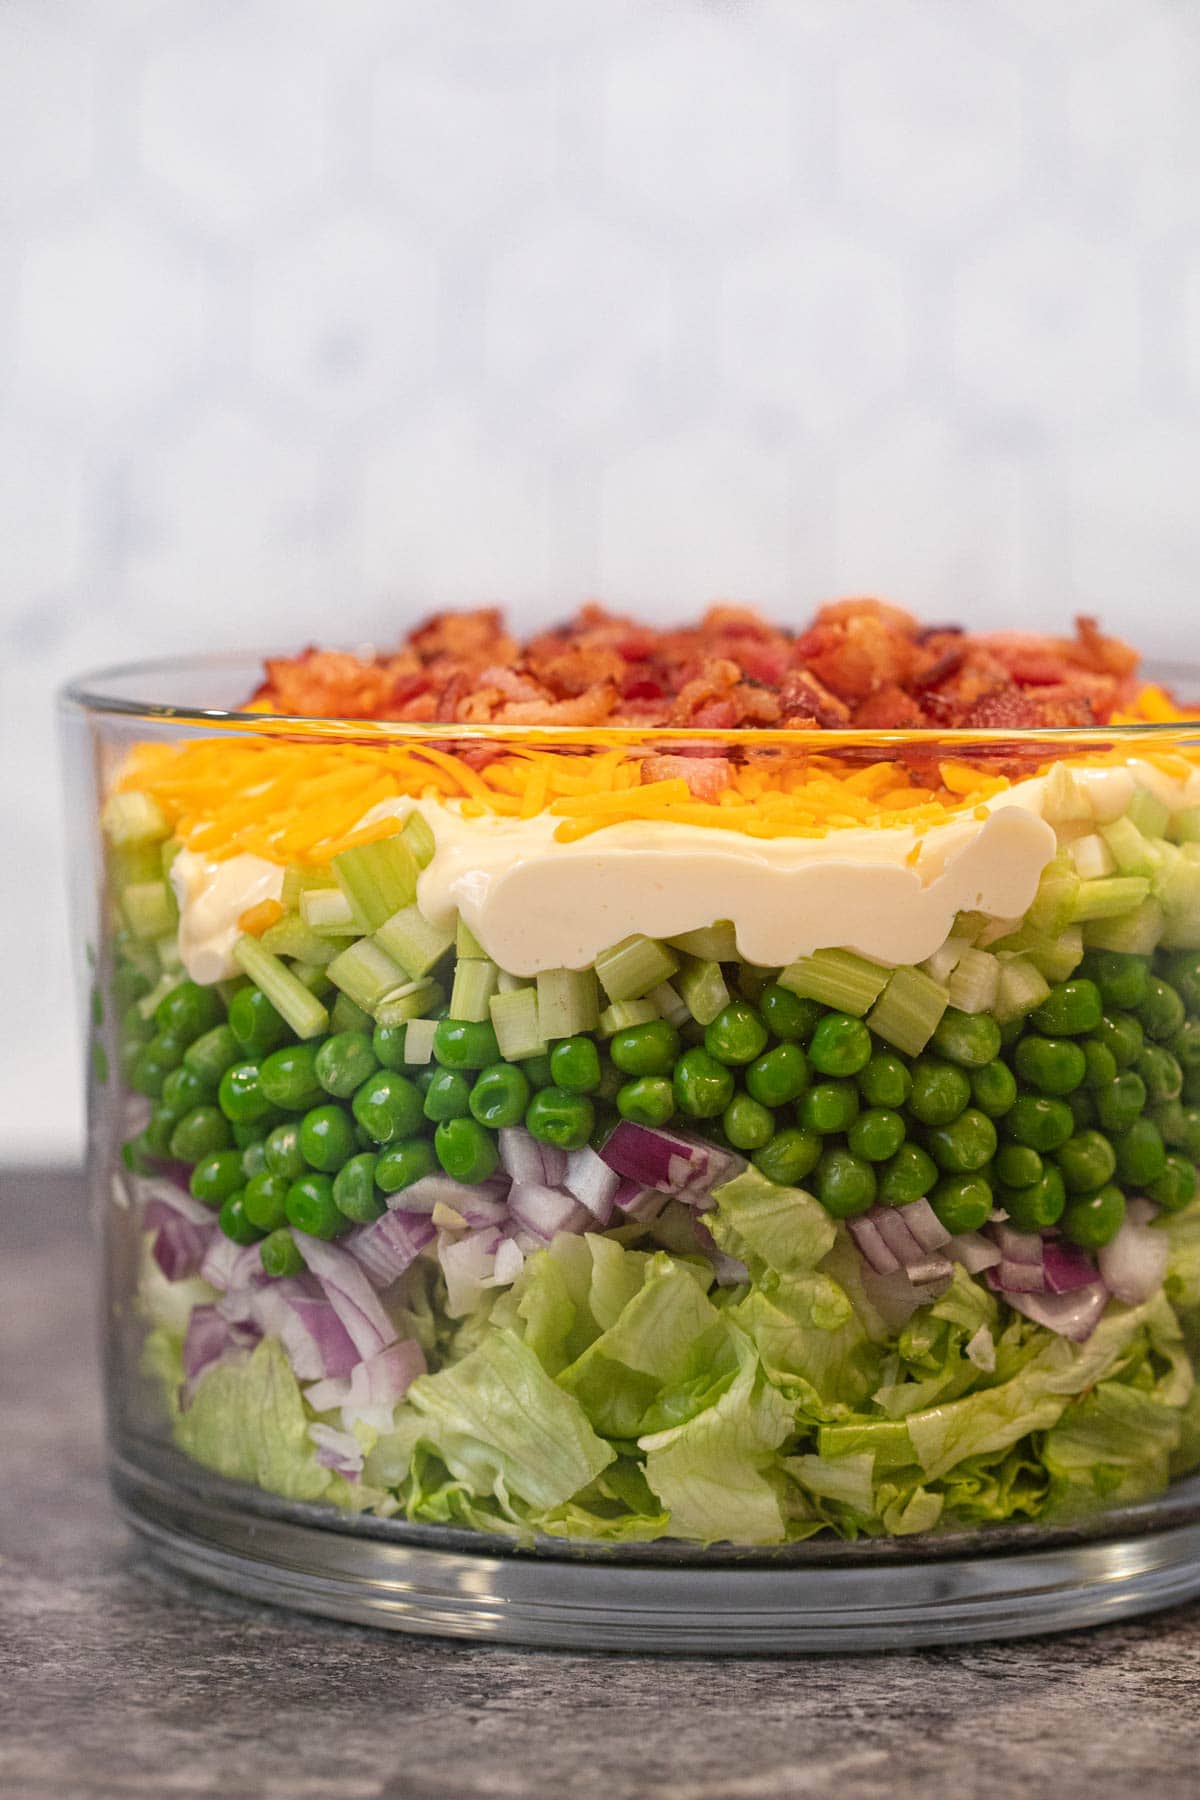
(475, 981)
(631, 968)
(975, 981)
(378, 878)
(712, 943)
(567, 1003)
(420, 839)
(466, 944)
(1020, 989)
(836, 978)
(624, 1013)
(328, 912)
(290, 936)
(289, 996)
(1108, 898)
(410, 939)
(418, 1040)
(515, 1021)
(908, 1011)
(411, 1001)
(1148, 813)
(367, 973)
(133, 818)
(1136, 933)
(702, 988)
(670, 1005)
(150, 909)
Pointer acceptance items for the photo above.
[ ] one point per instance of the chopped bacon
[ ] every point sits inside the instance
(705, 775)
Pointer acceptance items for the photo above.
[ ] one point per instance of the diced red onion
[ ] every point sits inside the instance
(327, 1396)
(924, 1224)
(893, 1296)
(1066, 1267)
(527, 1160)
(593, 1182)
(973, 1251)
(1134, 1265)
(510, 1260)
(337, 1450)
(1140, 1211)
(440, 1190)
(896, 1235)
(220, 1263)
(387, 1247)
(1009, 1277)
(637, 1202)
(932, 1271)
(159, 1197)
(686, 1168)
(477, 1210)
(379, 1382)
(209, 1337)
(1018, 1246)
(180, 1242)
(314, 1339)
(349, 1293)
(546, 1211)
(867, 1236)
(1073, 1315)
(467, 1262)
(727, 1269)
(527, 1242)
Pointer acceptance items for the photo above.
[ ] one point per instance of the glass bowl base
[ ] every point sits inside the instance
(666, 1599)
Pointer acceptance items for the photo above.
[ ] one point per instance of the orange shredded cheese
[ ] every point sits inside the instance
(256, 919)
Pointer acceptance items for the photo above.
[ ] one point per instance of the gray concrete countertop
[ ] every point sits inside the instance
(117, 1680)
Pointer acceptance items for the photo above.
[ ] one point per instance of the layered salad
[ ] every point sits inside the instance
(726, 1083)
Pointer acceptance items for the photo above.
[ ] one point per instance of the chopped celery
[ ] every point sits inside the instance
(974, 981)
(167, 852)
(412, 941)
(1108, 898)
(945, 960)
(367, 973)
(468, 945)
(1150, 814)
(908, 1010)
(702, 988)
(378, 878)
(1185, 826)
(634, 966)
(475, 981)
(289, 996)
(418, 1040)
(150, 909)
(1058, 958)
(1136, 932)
(1092, 857)
(328, 912)
(297, 881)
(420, 839)
(624, 1013)
(166, 984)
(290, 936)
(1058, 890)
(1020, 989)
(344, 1015)
(567, 1003)
(836, 978)
(1133, 853)
(712, 943)
(132, 863)
(168, 952)
(1178, 883)
(313, 977)
(671, 1005)
(1064, 800)
(413, 1000)
(515, 1021)
(133, 818)
(512, 984)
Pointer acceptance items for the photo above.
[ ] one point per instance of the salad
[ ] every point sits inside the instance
(719, 1083)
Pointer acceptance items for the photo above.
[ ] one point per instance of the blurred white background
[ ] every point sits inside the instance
(314, 311)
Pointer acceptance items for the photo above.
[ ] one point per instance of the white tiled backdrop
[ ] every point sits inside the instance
(312, 310)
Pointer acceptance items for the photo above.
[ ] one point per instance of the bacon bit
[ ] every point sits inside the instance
(257, 919)
(706, 776)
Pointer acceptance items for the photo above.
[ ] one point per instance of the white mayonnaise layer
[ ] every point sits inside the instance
(535, 903)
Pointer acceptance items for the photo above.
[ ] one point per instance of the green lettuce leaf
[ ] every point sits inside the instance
(248, 1422)
(769, 1227)
(812, 1343)
(1113, 1446)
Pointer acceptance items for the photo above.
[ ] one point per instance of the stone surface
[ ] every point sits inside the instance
(116, 1680)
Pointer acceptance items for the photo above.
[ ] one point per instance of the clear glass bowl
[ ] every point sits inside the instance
(1127, 1550)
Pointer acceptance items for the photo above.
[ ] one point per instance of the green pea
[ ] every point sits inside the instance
(1083, 1109)
(650, 1100)
(154, 1063)
(388, 1106)
(468, 1153)
(1121, 978)
(234, 1222)
(216, 1176)
(326, 1138)
(1087, 1161)
(737, 1035)
(344, 1062)
(965, 1145)
(447, 1095)
(254, 1157)
(845, 1184)
(184, 1089)
(555, 1117)
(188, 1011)
(1160, 1013)
(255, 1023)
(1182, 970)
(786, 1015)
(1176, 1186)
(1037, 1207)
(137, 1156)
(1123, 1035)
(962, 1202)
(703, 1086)
(355, 1192)
(789, 1157)
(1101, 1063)
(311, 1207)
(907, 1176)
(1018, 1166)
(827, 1107)
(536, 1070)
(282, 1151)
(748, 1126)
(940, 1091)
(885, 1081)
(199, 1132)
(462, 1044)
(1190, 1143)
(575, 1065)
(1185, 1045)
(1121, 1102)
(1040, 1122)
(401, 1164)
(840, 1045)
(1191, 1087)
(1069, 1009)
(779, 1076)
(387, 1046)
(1141, 1154)
(1156, 1066)
(289, 1077)
(280, 1255)
(1093, 1220)
(972, 1039)
(1052, 1065)
(501, 1094)
(346, 1015)
(1171, 1119)
(160, 1128)
(610, 1083)
(263, 1201)
(877, 1134)
(209, 1056)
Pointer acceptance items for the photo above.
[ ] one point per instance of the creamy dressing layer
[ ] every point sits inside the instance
(535, 903)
